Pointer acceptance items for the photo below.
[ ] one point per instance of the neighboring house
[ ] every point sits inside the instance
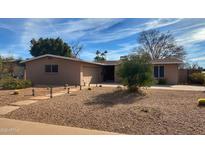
(56, 70)
(14, 68)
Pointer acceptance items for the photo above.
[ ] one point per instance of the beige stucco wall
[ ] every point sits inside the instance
(117, 78)
(171, 73)
(75, 72)
(68, 71)
(90, 73)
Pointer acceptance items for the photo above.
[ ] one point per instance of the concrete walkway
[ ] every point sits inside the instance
(6, 109)
(179, 87)
(162, 87)
(14, 106)
(17, 127)
(26, 102)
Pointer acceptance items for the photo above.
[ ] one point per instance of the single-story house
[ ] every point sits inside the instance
(52, 69)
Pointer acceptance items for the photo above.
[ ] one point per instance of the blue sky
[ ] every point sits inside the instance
(117, 36)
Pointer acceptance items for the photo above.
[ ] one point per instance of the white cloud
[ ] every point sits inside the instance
(123, 50)
(161, 23)
(198, 59)
(9, 54)
(86, 29)
(126, 32)
(192, 36)
(71, 30)
(190, 40)
(89, 30)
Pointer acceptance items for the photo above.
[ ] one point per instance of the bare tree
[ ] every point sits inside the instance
(76, 48)
(195, 66)
(159, 45)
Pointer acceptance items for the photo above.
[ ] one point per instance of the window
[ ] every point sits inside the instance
(54, 68)
(51, 68)
(156, 71)
(159, 71)
(47, 68)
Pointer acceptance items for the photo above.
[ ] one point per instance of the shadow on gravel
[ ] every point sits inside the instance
(114, 98)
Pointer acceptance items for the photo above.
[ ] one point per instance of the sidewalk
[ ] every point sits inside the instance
(35, 99)
(161, 87)
(179, 87)
(18, 127)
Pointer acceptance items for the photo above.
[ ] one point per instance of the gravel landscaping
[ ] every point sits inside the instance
(7, 97)
(159, 112)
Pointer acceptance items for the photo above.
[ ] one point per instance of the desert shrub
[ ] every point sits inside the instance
(12, 83)
(100, 85)
(119, 88)
(89, 88)
(16, 92)
(135, 72)
(197, 78)
(201, 102)
(162, 81)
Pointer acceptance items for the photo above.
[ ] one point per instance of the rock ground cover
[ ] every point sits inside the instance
(6, 96)
(159, 112)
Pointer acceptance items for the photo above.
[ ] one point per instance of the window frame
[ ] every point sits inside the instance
(157, 71)
(159, 75)
(51, 69)
(48, 68)
(161, 66)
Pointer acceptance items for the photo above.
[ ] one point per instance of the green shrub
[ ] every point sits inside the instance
(136, 72)
(12, 83)
(197, 78)
(162, 81)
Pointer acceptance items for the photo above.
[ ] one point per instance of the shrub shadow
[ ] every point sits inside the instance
(114, 98)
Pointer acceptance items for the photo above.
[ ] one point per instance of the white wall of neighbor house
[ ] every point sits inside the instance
(68, 71)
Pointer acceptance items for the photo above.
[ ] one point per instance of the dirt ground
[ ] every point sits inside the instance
(7, 97)
(159, 112)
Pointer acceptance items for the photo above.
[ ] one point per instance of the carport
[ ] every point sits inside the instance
(109, 73)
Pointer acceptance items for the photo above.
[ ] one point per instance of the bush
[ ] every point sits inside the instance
(12, 83)
(16, 92)
(197, 78)
(201, 102)
(136, 72)
(162, 81)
